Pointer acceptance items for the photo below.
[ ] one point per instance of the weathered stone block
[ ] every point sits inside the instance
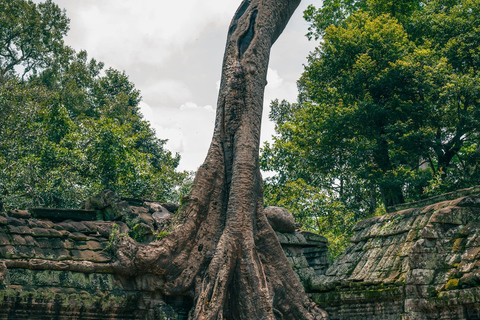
(90, 255)
(40, 232)
(465, 266)
(63, 214)
(471, 254)
(20, 214)
(426, 260)
(7, 252)
(420, 276)
(77, 236)
(4, 238)
(280, 219)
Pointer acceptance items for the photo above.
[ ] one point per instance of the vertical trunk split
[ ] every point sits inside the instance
(224, 254)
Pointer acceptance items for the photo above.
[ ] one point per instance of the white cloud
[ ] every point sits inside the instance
(119, 31)
(166, 92)
(192, 105)
(273, 79)
(188, 129)
(172, 51)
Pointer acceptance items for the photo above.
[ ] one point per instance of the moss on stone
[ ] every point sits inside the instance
(452, 284)
(458, 245)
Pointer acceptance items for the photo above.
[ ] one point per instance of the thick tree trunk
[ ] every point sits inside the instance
(223, 253)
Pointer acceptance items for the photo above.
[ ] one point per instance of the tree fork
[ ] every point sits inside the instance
(223, 253)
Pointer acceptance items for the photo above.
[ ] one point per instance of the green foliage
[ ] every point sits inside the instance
(388, 109)
(162, 234)
(67, 129)
(31, 35)
(315, 210)
(113, 238)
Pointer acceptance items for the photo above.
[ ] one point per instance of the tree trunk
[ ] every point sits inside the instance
(390, 188)
(223, 253)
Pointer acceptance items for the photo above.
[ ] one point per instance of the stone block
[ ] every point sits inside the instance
(20, 214)
(63, 214)
(78, 236)
(291, 238)
(40, 232)
(4, 238)
(426, 260)
(471, 254)
(57, 234)
(89, 255)
(43, 223)
(314, 238)
(465, 266)
(29, 240)
(89, 245)
(146, 218)
(391, 277)
(280, 219)
(420, 276)
(448, 215)
(23, 230)
(473, 241)
(7, 252)
(17, 240)
(471, 279)
(420, 291)
(15, 222)
(81, 227)
(429, 232)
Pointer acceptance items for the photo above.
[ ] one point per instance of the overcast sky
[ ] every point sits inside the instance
(173, 51)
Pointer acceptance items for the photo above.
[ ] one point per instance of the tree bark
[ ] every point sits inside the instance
(223, 253)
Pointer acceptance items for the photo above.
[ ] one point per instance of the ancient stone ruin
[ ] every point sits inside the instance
(58, 263)
(419, 263)
(422, 262)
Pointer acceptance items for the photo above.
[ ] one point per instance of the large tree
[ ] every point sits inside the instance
(389, 98)
(388, 111)
(223, 253)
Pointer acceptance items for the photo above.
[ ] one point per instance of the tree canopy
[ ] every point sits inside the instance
(69, 127)
(388, 109)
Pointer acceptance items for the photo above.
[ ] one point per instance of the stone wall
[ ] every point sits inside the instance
(57, 263)
(473, 191)
(44, 280)
(419, 263)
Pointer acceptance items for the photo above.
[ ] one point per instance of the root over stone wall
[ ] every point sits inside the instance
(59, 264)
(418, 263)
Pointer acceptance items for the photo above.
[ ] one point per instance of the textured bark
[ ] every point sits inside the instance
(223, 253)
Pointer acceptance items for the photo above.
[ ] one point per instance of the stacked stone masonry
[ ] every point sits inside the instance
(56, 265)
(419, 263)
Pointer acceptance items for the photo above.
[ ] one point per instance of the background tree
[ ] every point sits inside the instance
(69, 129)
(388, 105)
(32, 35)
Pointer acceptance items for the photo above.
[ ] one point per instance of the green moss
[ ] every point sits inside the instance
(458, 245)
(162, 234)
(452, 284)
